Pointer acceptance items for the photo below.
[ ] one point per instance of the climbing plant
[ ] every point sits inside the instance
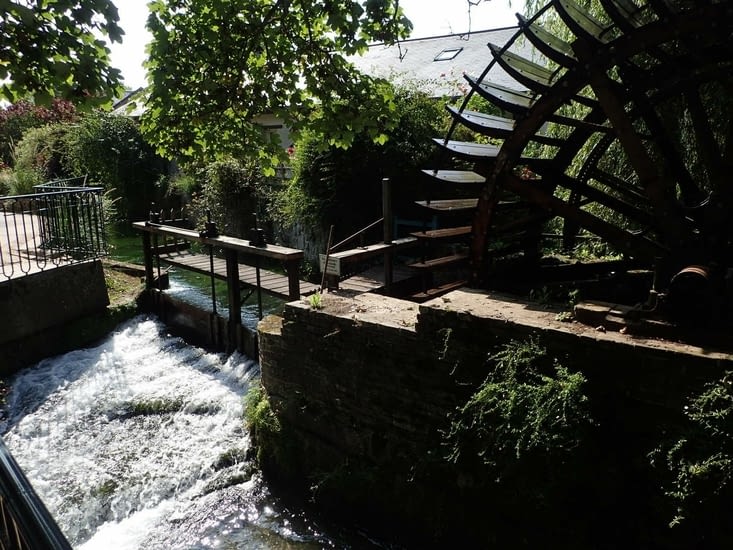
(342, 186)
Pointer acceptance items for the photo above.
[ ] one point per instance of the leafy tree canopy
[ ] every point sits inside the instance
(55, 48)
(216, 65)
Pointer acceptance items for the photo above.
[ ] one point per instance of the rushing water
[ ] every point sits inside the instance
(139, 443)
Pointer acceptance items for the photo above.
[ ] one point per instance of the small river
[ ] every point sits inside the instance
(139, 443)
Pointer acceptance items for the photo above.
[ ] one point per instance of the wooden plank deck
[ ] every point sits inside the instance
(372, 279)
(271, 283)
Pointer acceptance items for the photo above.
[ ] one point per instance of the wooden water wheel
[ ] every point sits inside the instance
(623, 129)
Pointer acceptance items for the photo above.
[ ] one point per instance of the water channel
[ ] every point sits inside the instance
(139, 443)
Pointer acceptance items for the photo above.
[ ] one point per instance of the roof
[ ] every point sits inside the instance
(131, 104)
(414, 61)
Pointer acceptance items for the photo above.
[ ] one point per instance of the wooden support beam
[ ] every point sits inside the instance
(292, 270)
(148, 258)
(233, 293)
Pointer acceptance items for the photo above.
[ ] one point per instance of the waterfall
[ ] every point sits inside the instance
(139, 443)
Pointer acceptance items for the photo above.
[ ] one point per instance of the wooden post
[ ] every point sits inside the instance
(388, 232)
(148, 256)
(235, 302)
(291, 268)
(324, 276)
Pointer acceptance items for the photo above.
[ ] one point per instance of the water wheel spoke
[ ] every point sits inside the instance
(655, 187)
(626, 14)
(632, 244)
(616, 204)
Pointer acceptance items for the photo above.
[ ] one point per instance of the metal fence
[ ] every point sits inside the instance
(62, 224)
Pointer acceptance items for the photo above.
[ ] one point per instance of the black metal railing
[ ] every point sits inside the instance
(25, 523)
(61, 225)
(79, 182)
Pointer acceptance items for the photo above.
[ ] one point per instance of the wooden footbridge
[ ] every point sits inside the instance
(242, 265)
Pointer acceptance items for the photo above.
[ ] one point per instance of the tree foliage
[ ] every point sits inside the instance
(216, 65)
(54, 48)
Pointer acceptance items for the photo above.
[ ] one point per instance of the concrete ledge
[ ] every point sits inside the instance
(32, 304)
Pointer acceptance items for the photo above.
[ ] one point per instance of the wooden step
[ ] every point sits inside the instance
(435, 292)
(554, 48)
(494, 126)
(436, 263)
(460, 177)
(449, 205)
(466, 205)
(445, 233)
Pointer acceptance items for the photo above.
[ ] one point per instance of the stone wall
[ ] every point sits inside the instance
(371, 380)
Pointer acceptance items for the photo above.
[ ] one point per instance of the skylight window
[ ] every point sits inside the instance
(447, 55)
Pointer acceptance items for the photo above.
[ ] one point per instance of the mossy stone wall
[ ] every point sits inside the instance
(364, 388)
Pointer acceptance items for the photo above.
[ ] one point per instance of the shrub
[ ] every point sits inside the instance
(231, 191)
(7, 181)
(698, 465)
(519, 411)
(38, 157)
(18, 118)
(111, 150)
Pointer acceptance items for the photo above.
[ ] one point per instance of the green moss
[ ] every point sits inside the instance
(155, 407)
(106, 489)
(263, 424)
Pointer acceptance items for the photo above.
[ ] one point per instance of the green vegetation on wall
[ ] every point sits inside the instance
(697, 466)
(521, 434)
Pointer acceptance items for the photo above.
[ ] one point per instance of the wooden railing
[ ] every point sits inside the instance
(235, 251)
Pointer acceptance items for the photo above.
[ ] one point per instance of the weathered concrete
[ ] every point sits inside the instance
(197, 326)
(34, 308)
